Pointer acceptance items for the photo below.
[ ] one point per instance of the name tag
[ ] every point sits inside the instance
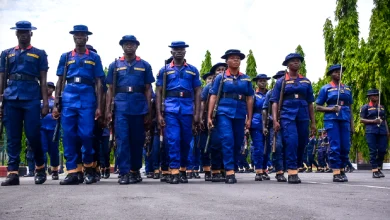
(89, 62)
(121, 68)
(33, 55)
(290, 82)
(227, 80)
(170, 72)
(11, 55)
(139, 69)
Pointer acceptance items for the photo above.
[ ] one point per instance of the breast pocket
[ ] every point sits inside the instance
(32, 64)
(138, 77)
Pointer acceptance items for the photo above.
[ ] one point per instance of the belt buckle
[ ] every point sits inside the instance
(18, 76)
(181, 94)
(239, 97)
(130, 89)
(341, 102)
(77, 79)
(296, 96)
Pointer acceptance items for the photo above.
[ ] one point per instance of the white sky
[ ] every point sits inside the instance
(271, 28)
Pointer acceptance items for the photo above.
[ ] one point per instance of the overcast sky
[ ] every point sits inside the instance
(272, 29)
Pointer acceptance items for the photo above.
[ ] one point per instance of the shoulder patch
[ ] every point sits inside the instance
(70, 62)
(139, 69)
(227, 79)
(332, 89)
(372, 108)
(305, 81)
(170, 72)
(11, 55)
(121, 68)
(246, 79)
(348, 89)
(290, 82)
(89, 62)
(33, 55)
(190, 72)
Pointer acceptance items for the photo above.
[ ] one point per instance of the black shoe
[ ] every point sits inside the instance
(97, 175)
(230, 179)
(54, 175)
(342, 173)
(259, 177)
(138, 177)
(49, 171)
(196, 175)
(70, 179)
(294, 179)
(124, 180)
(175, 179)
(183, 177)
(247, 170)
(169, 178)
(116, 172)
(90, 175)
(80, 176)
(241, 171)
(380, 173)
(280, 177)
(40, 176)
(376, 174)
(164, 177)
(119, 176)
(107, 173)
(150, 175)
(338, 178)
(265, 176)
(207, 176)
(309, 170)
(217, 177)
(328, 171)
(352, 169)
(189, 175)
(251, 170)
(11, 180)
(29, 175)
(156, 176)
(134, 178)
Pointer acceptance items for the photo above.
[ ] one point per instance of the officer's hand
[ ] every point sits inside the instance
(336, 108)
(313, 128)
(248, 124)
(210, 124)
(202, 125)
(55, 113)
(108, 118)
(265, 131)
(196, 119)
(378, 121)
(276, 126)
(44, 110)
(97, 114)
(147, 121)
(161, 121)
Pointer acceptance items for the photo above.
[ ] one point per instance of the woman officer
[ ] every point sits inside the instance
(234, 111)
(295, 112)
(377, 131)
(338, 121)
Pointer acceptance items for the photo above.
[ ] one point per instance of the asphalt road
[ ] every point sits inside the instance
(316, 198)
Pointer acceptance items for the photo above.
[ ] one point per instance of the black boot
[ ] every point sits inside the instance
(196, 175)
(164, 177)
(124, 180)
(207, 176)
(175, 179)
(376, 174)
(70, 179)
(183, 177)
(133, 178)
(11, 180)
(156, 176)
(150, 175)
(107, 173)
(280, 177)
(230, 179)
(29, 175)
(338, 178)
(217, 177)
(169, 178)
(266, 177)
(352, 169)
(294, 179)
(90, 176)
(80, 176)
(342, 173)
(189, 175)
(54, 175)
(138, 177)
(380, 173)
(40, 176)
(97, 175)
(259, 177)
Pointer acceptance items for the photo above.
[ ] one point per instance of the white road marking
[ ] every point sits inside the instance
(346, 184)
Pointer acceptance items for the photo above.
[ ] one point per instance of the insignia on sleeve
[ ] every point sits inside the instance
(11, 55)
(33, 55)
(190, 72)
(89, 62)
(139, 69)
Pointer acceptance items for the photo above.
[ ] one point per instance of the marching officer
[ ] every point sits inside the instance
(80, 105)
(259, 156)
(47, 132)
(234, 112)
(25, 67)
(295, 112)
(183, 88)
(311, 146)
(134, 78)
(374, 118)
(338, 121)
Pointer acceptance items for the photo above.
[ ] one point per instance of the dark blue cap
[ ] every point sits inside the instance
(233, 52)
(23, 25)
(372, 92)
(279, 74)
(333, 68)
(204, 77)
(90, 47)
(131, 38)
(80, 28)
(178, 44)
(51, 84)
(215, 67)
(261, 76)
(292, 56)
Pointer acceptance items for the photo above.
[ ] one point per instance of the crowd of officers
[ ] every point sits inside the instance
(215, 120)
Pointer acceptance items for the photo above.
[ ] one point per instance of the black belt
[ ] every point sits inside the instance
(294, 96)
(179, 94)
(19, 76)
(234, 96)
(341, 103)
(258, 111)
(130, 89)
(80, 80)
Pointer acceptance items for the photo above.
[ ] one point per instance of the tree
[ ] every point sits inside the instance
(251, 65)
(302, 69)
(206, 64)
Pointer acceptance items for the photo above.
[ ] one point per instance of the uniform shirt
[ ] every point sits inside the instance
(301, 91)
(369, 111)
(257, 120)
(88, 66)
(267, 103)
(238, 85)
(27, 62)
(312, 142)
(48, 123)
(328, 95)
(179, 79)
(137, 73)
(205, 92)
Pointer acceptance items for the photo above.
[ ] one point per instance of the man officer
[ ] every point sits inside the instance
(80, 105)
(26, 69)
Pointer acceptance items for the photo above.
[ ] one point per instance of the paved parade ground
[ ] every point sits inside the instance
(316, 198)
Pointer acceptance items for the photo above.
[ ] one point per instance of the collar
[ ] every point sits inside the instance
(137, 58)
(287, 76)
(258, 91)
(371, 104)
(28, 48)
(333, 84)
(74, 52)
(227, 72)
(172, 64)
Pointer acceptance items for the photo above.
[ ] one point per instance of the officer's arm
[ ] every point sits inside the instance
(249, 106)
(2, 67)
(363, 116)
(264, 115)
(108, 99)
(352, 122)
(98, 90)
(198, 91)
(43, 82)
(158, 100)
(58, 88)
(148, 95)
(311, 112)
(213, 99)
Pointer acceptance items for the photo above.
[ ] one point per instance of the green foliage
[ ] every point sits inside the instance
(302, 70)
(206, 64)
(251, 65)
